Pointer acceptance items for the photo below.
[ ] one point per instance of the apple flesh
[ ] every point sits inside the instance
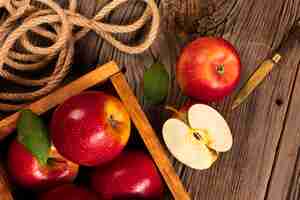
(208, 69)
(206, 119)
(91, 128)
(68, 192)
(132, 175)
(197, 139)
(26, 171)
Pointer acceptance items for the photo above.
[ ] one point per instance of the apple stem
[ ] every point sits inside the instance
(178, 114)
(172, 109)
(221, 69)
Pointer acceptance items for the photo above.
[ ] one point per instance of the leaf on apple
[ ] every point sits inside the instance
(156, 84)
(33, 134)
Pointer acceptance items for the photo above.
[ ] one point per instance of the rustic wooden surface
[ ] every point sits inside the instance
(264, 161)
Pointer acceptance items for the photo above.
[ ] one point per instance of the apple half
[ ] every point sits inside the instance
(198, 141)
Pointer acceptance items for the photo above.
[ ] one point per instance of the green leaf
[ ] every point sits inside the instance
(156, 84)
(33, 134)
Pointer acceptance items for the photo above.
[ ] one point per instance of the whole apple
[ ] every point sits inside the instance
(91, 128)
(26, 171)
(208, 69)
(68, 192)
(132, 175)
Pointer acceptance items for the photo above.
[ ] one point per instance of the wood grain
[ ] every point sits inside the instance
(294, 184)
(283, 171)
(263, 163)
(256, 28)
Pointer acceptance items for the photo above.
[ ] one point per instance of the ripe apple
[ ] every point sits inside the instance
(26, 171)
(68, 192)
(132, 175)
(91, 128)
(208, 69)
(197, 139)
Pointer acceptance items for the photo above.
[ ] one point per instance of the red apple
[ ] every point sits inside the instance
(208, 69)
(132, 175)
(68, 192)
(91, 128)
(26, 171)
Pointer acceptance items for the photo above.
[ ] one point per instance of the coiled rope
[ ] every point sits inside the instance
(49, 20)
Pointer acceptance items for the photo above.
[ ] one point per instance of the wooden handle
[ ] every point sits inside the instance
(149, 137)
(5, 193)
(41, 106)
(255, 80)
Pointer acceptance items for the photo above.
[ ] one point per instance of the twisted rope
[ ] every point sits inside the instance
(34, 14)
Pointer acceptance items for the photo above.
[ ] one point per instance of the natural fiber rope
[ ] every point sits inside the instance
(34, 14)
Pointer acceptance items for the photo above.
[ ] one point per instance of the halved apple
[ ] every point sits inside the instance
(198, 143)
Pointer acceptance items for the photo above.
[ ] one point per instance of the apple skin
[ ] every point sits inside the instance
(181, 113)
(132, 175)
(208, 69)
(68, 192)
(91, 128)
(27, 172)
(186, 106)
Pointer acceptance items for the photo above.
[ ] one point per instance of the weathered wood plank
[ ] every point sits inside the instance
(293, 185)
(255, 28)
(286, 169)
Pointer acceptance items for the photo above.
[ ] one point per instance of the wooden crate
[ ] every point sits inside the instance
(107, 72)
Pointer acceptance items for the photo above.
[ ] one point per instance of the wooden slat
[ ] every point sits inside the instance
(8, 124)
(255, 28)
(293, 185)
(286, 169)
(149, 137)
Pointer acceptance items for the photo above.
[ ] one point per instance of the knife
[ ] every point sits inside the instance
(266, 66)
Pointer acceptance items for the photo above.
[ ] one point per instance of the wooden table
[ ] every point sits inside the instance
(263, 163)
